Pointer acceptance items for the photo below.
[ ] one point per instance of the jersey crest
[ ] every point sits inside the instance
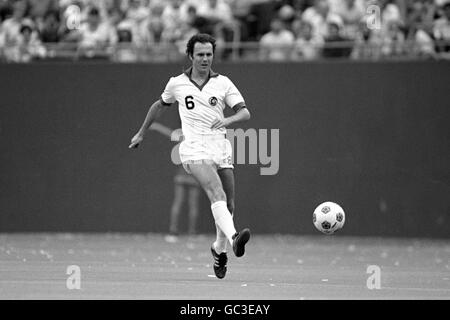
(213, 101)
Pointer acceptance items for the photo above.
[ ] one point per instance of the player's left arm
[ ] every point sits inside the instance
(242, 114)
(234, 99)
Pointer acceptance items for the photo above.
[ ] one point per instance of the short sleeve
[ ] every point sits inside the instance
(233, 97)
(167, 97)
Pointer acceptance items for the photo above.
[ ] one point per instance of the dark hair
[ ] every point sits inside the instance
(202, 38)
(94, 11)
(25, 27)
(124, 35)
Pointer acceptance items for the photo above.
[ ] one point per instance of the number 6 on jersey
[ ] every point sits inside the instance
(189, 103)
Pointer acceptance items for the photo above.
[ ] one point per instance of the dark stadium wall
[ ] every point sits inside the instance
(373, 137)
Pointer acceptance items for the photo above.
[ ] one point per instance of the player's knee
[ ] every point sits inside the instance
(217, 194)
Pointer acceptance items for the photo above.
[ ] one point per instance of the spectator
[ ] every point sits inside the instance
(335, 44)
(188, 29)
(153, 37)
(300, 6)
(175, 17)
(118, 19)
(11, 26)
(38, 9)
(215, 11)
(319, 15)
(423, 42)
(423, 23)
(95, 35)
(351, 12)
(137, 11)
(367, 42)
(419, 27)
(390, 13)
(1, 42)
(115, 15)
(5, 10)
(242, 14)
(50, 29)
(125, 49)
(392, 40)
(287, 14)
(221, 23)
(27, 47)
(259, 18)
(441, 29)
(307, 46)
(152, 29)
(277, 44)
(420, 12)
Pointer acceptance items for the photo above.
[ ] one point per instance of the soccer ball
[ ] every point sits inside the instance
(328, 217)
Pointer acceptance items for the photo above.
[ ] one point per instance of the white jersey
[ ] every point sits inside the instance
(199, 106)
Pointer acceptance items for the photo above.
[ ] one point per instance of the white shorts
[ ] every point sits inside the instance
(212, 150)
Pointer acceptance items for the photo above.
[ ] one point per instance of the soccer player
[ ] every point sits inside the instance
(205, 152)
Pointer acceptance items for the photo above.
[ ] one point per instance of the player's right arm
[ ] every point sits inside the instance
(173, 135)
(158, 127)
(154, 112)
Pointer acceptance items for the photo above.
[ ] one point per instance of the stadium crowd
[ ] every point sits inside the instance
(276, 30)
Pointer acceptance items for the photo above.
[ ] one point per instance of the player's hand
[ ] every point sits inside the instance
(136, 140)
(220, 123)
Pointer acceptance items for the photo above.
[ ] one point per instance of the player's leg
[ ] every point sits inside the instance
(218, 248)
(193, 203)
(206, 174)
(227, 177)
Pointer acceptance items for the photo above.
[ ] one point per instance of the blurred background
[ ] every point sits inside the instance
(157, 30)
(359, 90)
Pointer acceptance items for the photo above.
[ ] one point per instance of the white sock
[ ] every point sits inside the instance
(223, 219)
(220, 245)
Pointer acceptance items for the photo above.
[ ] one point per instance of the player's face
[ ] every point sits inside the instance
(202, 57)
